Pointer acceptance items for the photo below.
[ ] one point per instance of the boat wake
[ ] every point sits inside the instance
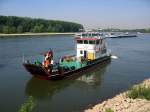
(114, 57)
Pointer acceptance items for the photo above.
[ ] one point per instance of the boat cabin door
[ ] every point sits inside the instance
(85, 54)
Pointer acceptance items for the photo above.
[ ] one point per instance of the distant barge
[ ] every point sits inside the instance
(125, 35)
(90, 51)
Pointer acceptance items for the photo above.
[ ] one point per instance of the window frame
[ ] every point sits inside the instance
(93, 42)
(80, 41)
(86, 41)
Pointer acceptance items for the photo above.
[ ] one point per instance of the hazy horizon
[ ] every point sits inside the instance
(123, 14)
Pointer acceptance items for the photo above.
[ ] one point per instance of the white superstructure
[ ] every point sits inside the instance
(90, 45)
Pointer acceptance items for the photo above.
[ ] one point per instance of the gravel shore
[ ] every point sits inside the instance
(121, 103)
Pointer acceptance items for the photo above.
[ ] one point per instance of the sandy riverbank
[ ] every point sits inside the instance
(121, 103)
(30, 34)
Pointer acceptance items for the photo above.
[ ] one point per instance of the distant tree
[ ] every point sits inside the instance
(10, 20)
(9, 29)
(19, 29)
(1, 29)
(6, 29)
(12, 29)
(49, 29)
(36, 29)
(13, 24)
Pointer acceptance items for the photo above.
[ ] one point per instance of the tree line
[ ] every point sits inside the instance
(14, 24)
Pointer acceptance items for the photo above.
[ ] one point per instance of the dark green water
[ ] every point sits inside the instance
(69, 95)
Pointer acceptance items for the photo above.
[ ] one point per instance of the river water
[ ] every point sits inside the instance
(77, 93)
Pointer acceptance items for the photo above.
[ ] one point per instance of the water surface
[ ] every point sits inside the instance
(68, 95)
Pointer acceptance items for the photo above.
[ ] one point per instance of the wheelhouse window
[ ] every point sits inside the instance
(94, 34)
(92, 42)
(90, 35)
(85, 41)
(80, 41)
(84, 35)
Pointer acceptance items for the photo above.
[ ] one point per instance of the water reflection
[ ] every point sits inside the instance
(93, 77)
(41, 89)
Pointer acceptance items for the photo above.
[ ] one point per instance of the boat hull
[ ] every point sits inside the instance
(124, 36)
(41, 72)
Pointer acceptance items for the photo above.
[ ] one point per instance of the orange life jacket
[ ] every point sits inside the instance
(46, 63)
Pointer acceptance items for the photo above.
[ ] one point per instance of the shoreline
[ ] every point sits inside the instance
(32, 34)
(122, 103)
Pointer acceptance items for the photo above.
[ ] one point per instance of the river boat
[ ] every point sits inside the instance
(91, 50)
(125, 35)
(111, 35)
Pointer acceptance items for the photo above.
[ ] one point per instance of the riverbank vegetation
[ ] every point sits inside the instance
(28, 105)
(136, 99)
(108, 110)
(139, 92)
(13, 24)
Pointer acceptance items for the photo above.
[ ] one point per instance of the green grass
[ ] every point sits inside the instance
(139, 92)
(108, 110)
(28, 105)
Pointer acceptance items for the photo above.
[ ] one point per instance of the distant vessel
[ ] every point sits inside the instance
(125, 35)
(111, 35)
(139, 33)
(90, 51)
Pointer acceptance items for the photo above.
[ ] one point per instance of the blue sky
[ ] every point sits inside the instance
(90, 13)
